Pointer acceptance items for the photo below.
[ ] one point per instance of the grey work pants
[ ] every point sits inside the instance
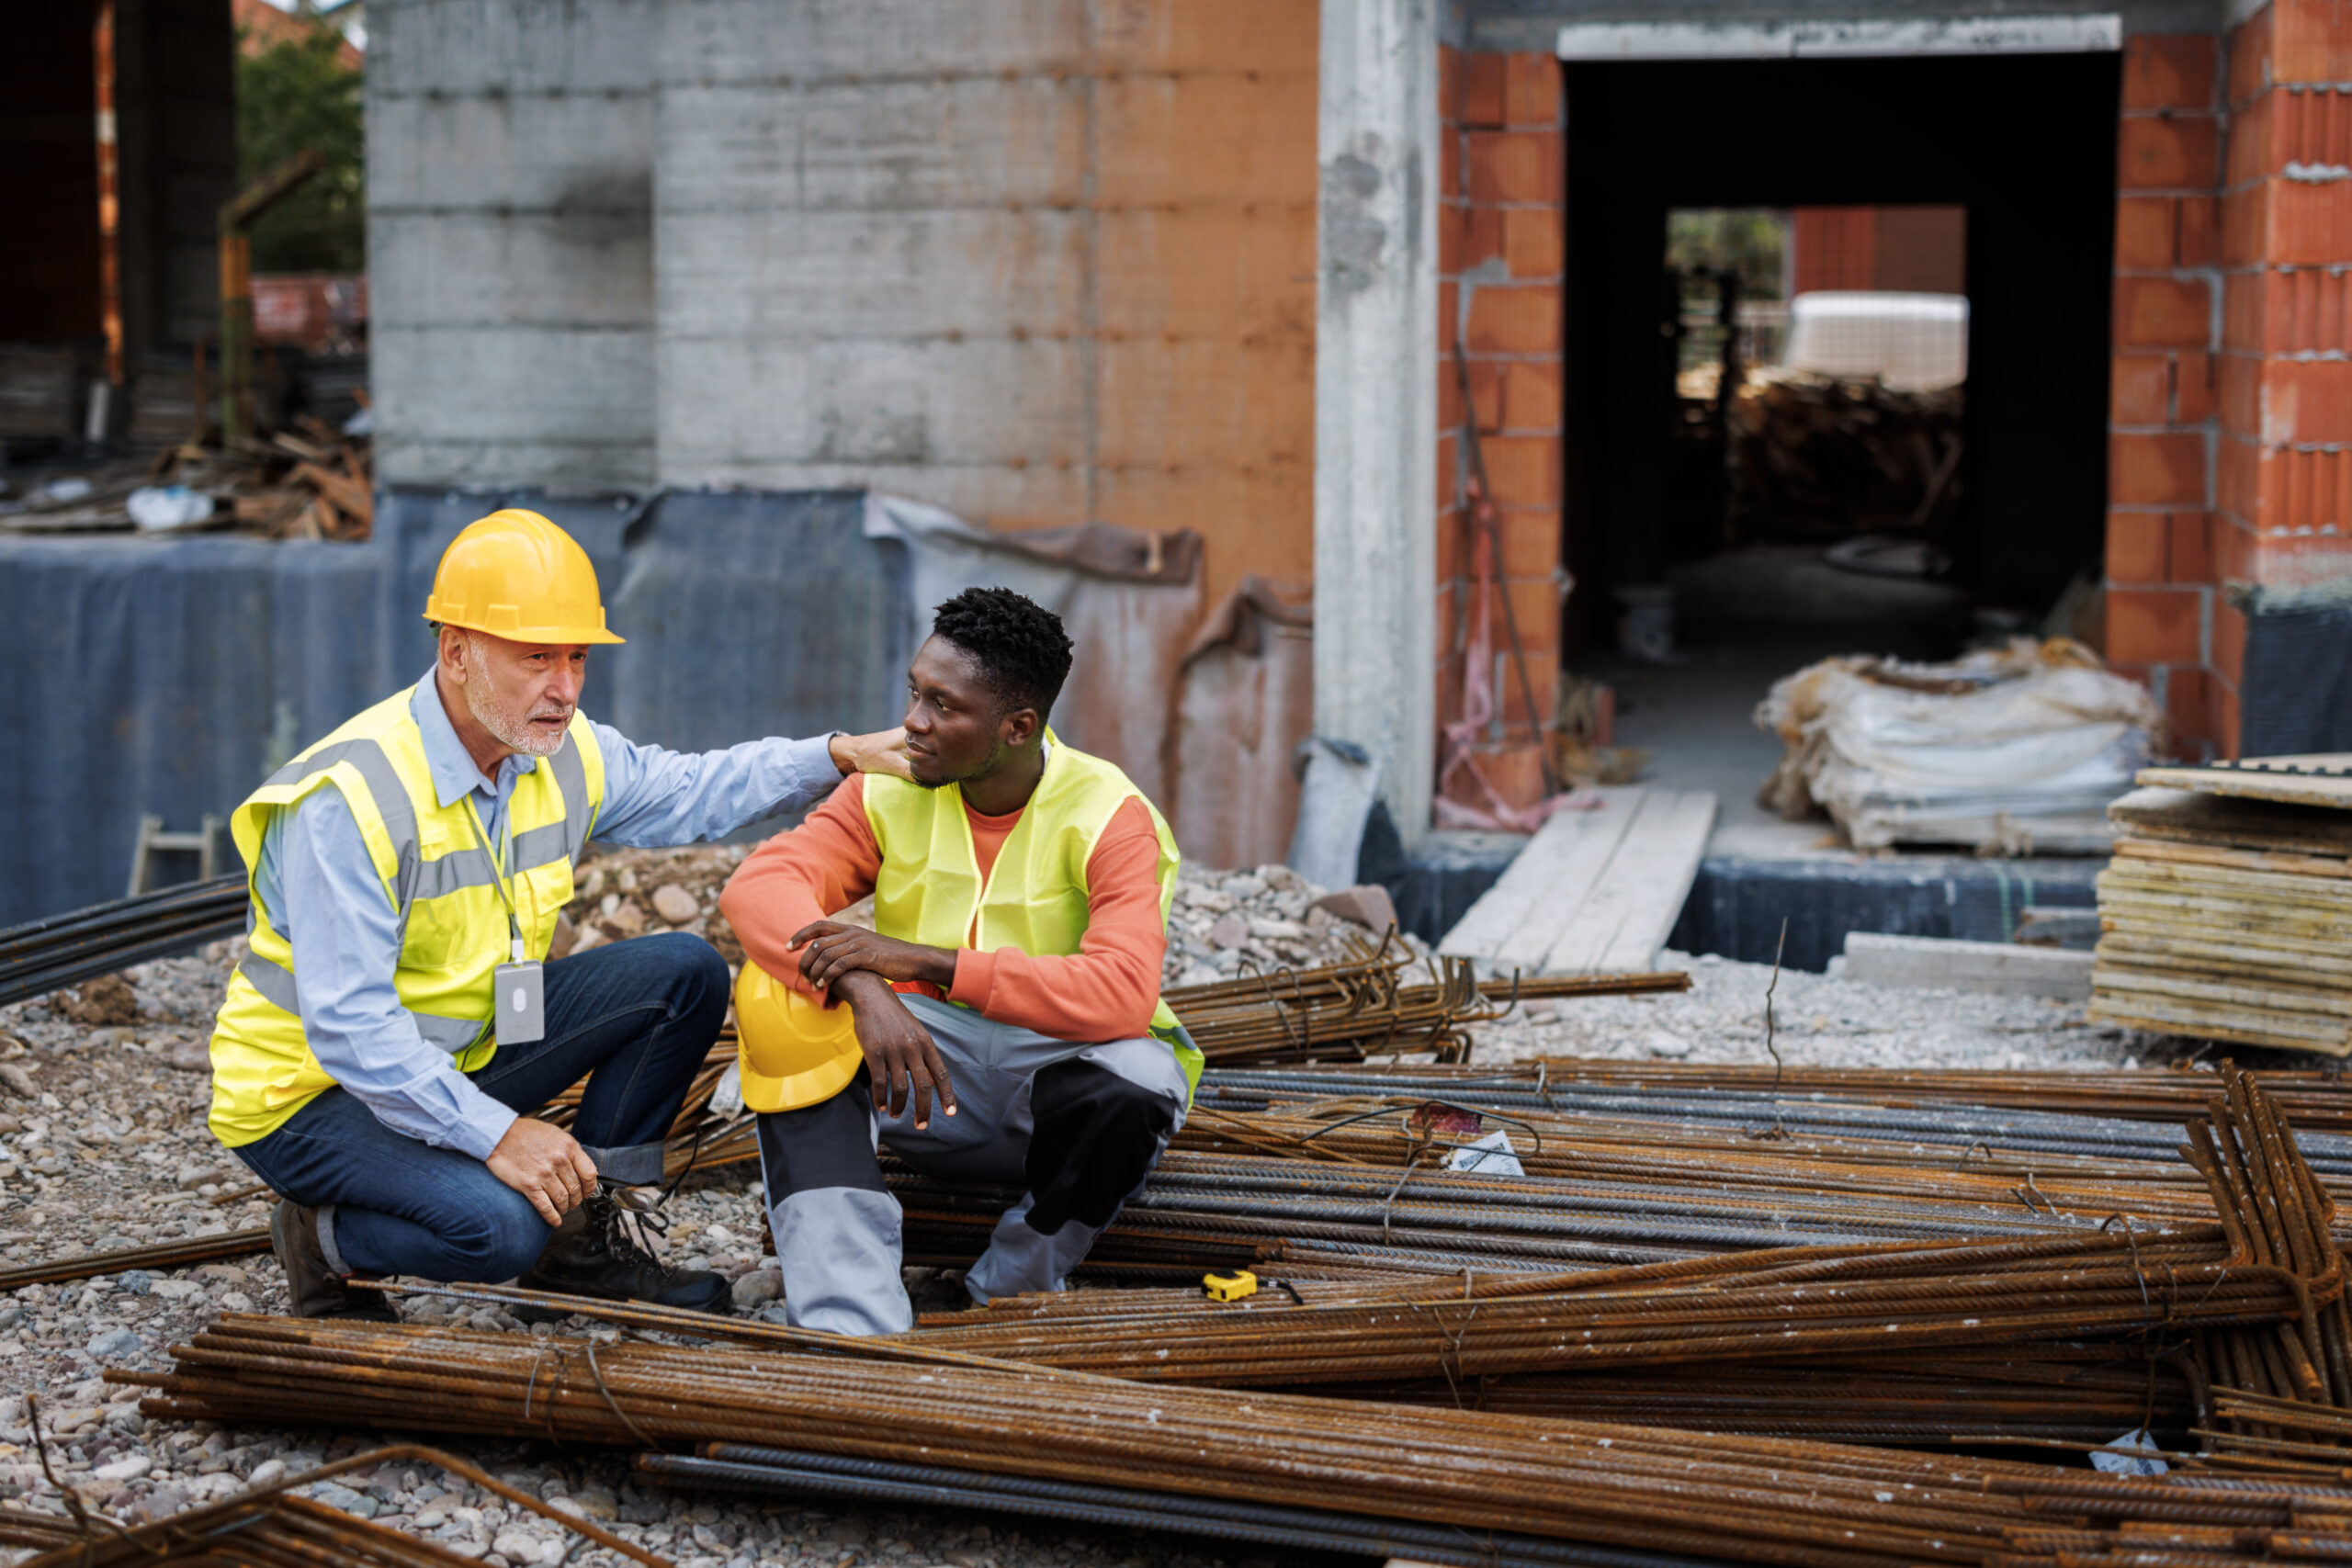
(1078, 1126)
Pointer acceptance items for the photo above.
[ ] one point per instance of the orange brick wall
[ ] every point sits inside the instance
(2167, 387)
(1501, 243)
(2283, 514)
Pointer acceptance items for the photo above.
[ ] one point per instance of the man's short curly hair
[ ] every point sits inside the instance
(1022, 652)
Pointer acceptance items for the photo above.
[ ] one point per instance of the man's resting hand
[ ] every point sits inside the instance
(830, 951)
(546, 1165)
(884, 751)
(901, 1058)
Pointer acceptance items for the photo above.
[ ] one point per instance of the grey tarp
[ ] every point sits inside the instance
(170, 675)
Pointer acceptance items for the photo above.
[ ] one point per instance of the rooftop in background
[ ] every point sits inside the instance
(261, 25)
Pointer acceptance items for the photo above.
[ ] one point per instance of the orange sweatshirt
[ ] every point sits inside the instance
(1104, 991)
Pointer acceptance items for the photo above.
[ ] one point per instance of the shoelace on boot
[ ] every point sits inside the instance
(610, 1213)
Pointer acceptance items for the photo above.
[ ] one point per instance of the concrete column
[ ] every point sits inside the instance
(1376, 392)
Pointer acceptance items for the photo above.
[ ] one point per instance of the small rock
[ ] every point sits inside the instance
(17, 1082)
(116, 1342)
(128, 1468)
(345, 1499)
(134, 1281)
(1277, 931)
(191, 1056)
(628, 918)
(1367, 905)
(268, 1473)
(674, 904)
(516, 1546)
(754, 1288)
(1665, 1042)
(1230, 931)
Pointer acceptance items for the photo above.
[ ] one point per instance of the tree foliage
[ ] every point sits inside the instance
(293, 95)
(1751, 241)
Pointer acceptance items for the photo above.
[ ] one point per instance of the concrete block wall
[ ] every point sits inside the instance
(1501, 247)
(510, 241)
(1039, 263)
(2165, 423)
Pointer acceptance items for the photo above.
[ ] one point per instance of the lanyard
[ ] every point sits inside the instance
(497, 871)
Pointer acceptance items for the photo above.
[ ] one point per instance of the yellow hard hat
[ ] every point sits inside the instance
(790, 1049)
(515, 574)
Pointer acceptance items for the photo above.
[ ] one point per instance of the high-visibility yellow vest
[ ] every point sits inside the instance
(1034, 899)
(435, 872)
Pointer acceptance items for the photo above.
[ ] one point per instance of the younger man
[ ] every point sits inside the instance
(1021, 905)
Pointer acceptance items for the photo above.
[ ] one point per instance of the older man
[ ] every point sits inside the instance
(390, 1027)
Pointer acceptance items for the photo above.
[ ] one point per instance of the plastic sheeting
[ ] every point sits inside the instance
(2004, 750)
(171, 675)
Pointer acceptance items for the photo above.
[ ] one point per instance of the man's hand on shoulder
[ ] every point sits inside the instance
(830, 950)
(545, 1163)
(901, 1060)
(884, 751)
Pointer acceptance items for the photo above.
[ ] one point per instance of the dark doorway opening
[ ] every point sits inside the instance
(2023, 145)
(2009, 158)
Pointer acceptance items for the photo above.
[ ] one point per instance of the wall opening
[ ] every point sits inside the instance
(1837, 374)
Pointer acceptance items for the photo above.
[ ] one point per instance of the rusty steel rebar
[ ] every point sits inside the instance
(266, 1524)
(1745, 1499)
(163, 1254)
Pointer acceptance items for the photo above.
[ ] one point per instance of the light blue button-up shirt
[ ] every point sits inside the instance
(318, 886)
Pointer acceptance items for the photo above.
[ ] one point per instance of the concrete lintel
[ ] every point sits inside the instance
(1821, 40)
(1376, 393)
(1934, 962)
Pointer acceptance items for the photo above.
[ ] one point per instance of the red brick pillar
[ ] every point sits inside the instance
(2284, 519)
(2161, 469)
(1501, 245)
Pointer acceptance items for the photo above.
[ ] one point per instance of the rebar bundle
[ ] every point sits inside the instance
(62, 950)
(2263, 1290)
(268, 1525)
(1713, 1497)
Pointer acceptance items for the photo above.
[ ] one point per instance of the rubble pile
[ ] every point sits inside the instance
(1223, 923)
(313, 482)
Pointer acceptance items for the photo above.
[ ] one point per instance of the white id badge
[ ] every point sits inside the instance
(522, 1004)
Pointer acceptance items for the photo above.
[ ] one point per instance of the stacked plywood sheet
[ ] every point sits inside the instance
(2226, 913)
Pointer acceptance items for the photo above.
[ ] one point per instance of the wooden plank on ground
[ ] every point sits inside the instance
(1515, 922)
(1633, 905)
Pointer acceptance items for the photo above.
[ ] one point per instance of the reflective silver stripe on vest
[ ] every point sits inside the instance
(452, 872)
(567, 838)
(383, 784)
(275, 983)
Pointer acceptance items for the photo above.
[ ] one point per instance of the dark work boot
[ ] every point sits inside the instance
(318, 1291)
(595, 1253)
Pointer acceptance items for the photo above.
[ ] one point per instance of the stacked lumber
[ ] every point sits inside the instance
(2225, 917)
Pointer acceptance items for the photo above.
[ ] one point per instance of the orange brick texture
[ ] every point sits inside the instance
(2169, 389)
(1502, 244)
(2281, 516)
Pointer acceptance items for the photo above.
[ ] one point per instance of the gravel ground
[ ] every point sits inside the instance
(103, 1144)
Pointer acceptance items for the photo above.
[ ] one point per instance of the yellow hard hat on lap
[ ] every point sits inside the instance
(515, 574)
(791, 1050)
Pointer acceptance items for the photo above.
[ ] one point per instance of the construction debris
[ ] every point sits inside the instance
(2007, 751)
(1816, 456)
(311, 482)
(2229, 918)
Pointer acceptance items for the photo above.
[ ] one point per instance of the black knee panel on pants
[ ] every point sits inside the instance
(827, 1144)
(1097, 1136)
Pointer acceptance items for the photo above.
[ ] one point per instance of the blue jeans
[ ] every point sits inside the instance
(636, 1018)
